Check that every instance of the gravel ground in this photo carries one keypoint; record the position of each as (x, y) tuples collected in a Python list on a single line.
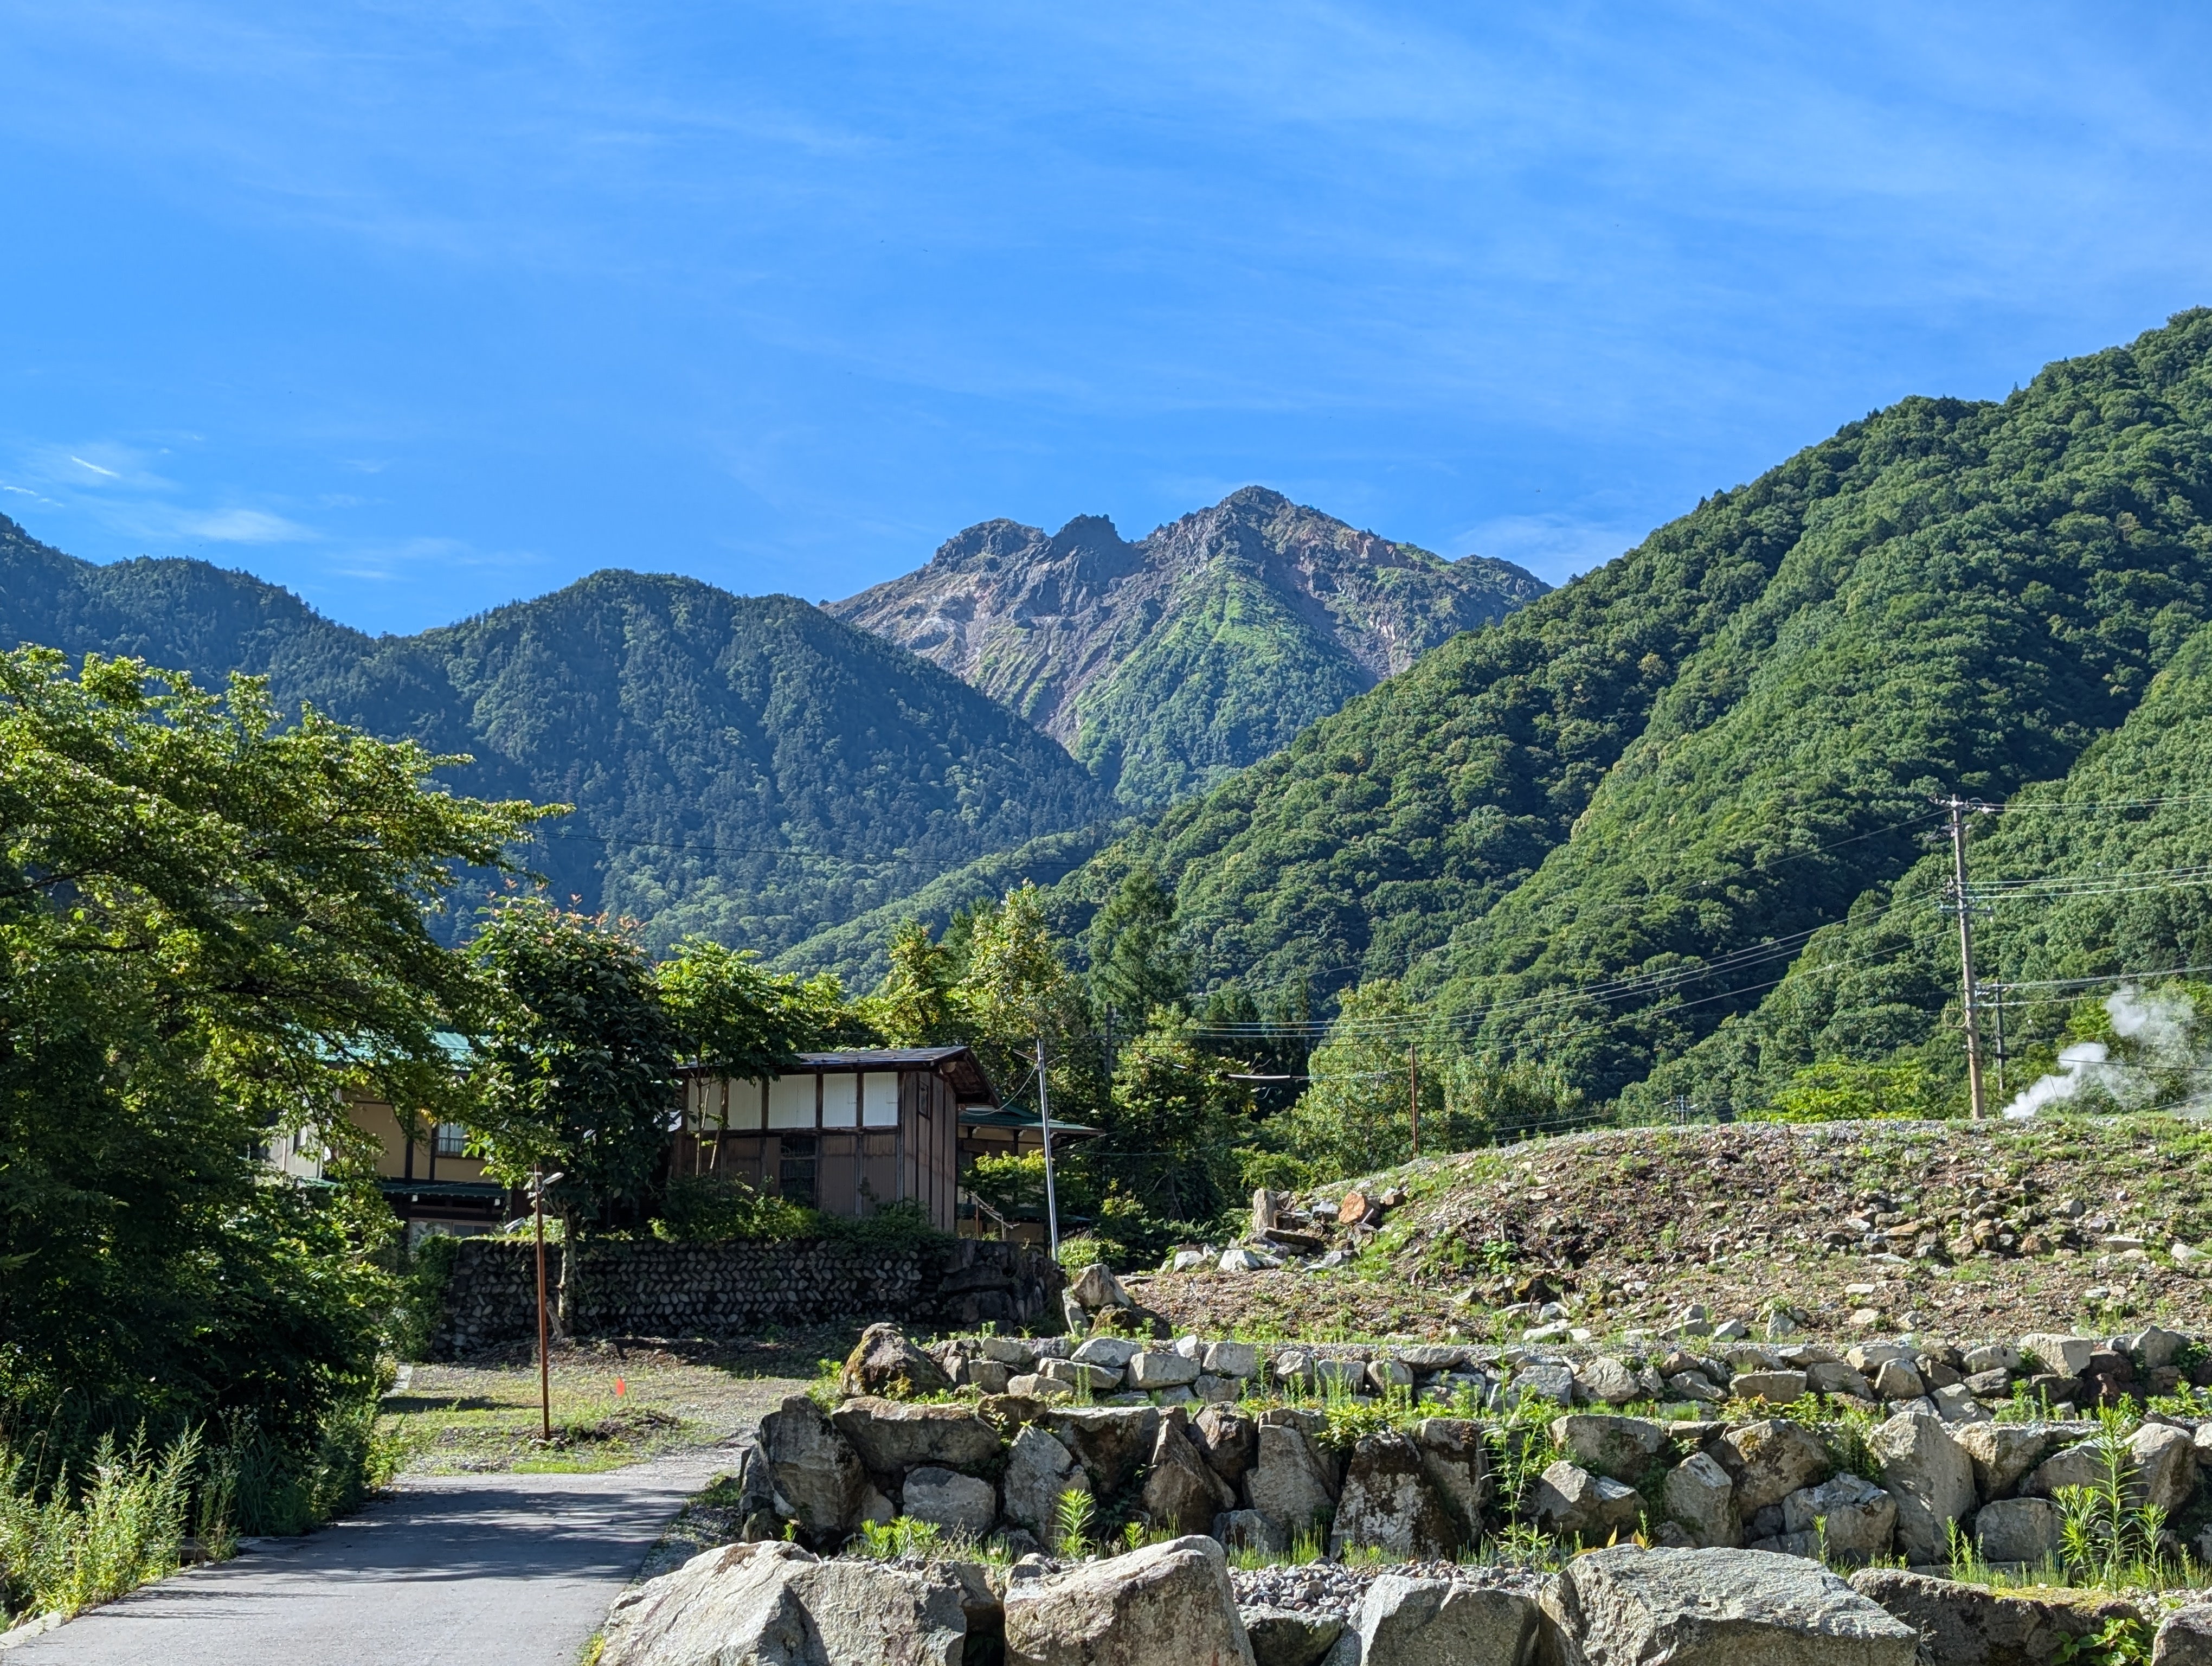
[(1333, 1588), (1632, 1225)]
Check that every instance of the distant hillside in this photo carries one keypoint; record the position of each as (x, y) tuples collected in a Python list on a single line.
[(745, 767), (1167, 664), (1590, 834)]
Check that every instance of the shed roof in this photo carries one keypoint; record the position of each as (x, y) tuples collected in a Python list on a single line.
[(959, 1066)]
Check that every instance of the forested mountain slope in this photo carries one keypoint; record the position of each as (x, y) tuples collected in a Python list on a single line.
[(1168, 663), (746, 766), (1728, 735)]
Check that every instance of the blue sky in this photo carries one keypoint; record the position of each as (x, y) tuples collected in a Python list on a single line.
[(420, 308)]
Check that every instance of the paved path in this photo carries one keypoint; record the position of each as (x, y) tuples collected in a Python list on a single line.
[(455, 1571)]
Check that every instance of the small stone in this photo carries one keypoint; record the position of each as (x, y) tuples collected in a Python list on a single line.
[(1244, 1259), (1547, 1379), (2068, 1356), (1700, 1497), (1385, 1375), (1896, 1380), (1114, 1353), (1849, 1517), (1574, 1503), (1239, 1360), (1150, 1370), (957, 1503)]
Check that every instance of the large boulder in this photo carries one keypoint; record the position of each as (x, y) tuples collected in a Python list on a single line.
[(2004, 1452), (1111, 1442), (1290, 1636), (2165, 1460), (1227, 1439), (1435, 1622), (1457, 1461), (1167, 1603), (1850, 1518), (891, 1437), (1576, 1504), (1629, 1606), (816, 1476), (1387, 1502), (1096, 1287), (1624, 1448), (1039, 1469), (1181, 1493), (2018, 1530), (1974, 1626), (1930, 1477), (775, 1604), (959, 1504), (2185, 1637), (884, 1362), (1290, 1482), (1769, 1460), (1701, 1500)]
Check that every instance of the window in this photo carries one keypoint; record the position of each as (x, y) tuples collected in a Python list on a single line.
[(452, 1139), (795, 1174)]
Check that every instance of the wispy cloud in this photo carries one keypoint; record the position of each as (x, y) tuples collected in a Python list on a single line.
[(94, 467), (246, 526)]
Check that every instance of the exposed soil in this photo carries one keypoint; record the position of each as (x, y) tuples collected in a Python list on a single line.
[(1951, 1228)]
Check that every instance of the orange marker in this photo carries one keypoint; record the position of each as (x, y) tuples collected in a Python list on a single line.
[(618, 1385)]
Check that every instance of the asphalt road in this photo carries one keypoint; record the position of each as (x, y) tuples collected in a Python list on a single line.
[(470, 1570)]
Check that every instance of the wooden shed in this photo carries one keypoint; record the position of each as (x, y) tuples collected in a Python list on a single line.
[(843, 1133)]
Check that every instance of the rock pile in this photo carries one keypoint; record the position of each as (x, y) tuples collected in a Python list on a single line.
[(1176, 1603), (1189, 1439)]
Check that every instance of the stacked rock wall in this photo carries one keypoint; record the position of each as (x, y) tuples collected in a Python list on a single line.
[(734, 1289)]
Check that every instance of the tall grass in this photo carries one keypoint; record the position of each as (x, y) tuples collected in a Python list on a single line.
[(75, 1537), (76, 1547)]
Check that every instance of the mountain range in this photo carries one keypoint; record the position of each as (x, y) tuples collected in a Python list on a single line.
[(749, 767), (1167, 665), (1597, 835)]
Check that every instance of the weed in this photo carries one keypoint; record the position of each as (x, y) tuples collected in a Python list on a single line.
[(1073, 1514)]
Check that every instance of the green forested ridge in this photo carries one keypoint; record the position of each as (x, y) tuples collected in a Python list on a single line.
[(744, 767), (1725, 735), (1166, 664)]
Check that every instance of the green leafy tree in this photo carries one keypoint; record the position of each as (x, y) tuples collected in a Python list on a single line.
[(577, 1059), (213, 923), (913, 1006), (1173, 1124), (729, 1013)]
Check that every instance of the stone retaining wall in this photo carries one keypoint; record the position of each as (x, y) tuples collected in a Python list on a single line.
[(733, 1289)]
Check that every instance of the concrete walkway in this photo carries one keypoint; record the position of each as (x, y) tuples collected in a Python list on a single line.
[(453, 1570)]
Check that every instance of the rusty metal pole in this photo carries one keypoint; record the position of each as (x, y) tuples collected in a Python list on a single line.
[(1413, 1104), (544, 1365)]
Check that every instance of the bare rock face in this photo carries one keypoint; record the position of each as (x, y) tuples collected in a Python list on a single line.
[(1973, 1625), (1620, 1447), (1290, 1636), (1930, 1477), (1457, 1462), (1039, 1469), (1228, 1439), (1768, 1461), (882, 1362), (2017, 1530), (2004, 1452), (1701, 1499), (1168, 1602), (1289, 1482), (1109, 1441), (1850, 1518), (1571, 1501), (1388, 1503), (1432, 1622), (816, 1476), (775, 1604), (957, 1503), (2185, 1637), (1181, 1493), (1629, 1606), (891, 1436)]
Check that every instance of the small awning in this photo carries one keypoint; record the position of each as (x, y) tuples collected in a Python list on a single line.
[(1014, 1118)]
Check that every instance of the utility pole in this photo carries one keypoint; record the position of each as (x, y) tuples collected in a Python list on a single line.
[(1044, 1125), (1958, 807), (1413, 1104)]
